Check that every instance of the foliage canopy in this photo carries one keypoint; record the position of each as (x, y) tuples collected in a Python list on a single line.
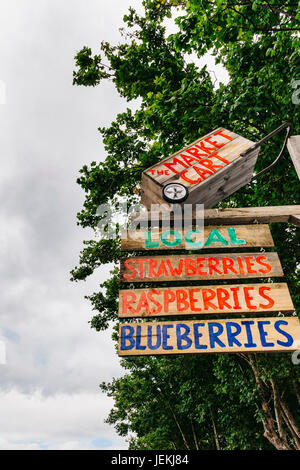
[(224, 402)]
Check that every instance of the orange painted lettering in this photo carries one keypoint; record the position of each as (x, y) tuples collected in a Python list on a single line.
[(264, 296)]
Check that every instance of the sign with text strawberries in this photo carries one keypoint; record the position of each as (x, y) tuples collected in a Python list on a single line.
[(200, 267)]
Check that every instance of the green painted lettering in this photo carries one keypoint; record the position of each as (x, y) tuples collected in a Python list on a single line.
[(233, 238)]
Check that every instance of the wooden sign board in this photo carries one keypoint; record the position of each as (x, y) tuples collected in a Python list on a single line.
[(242, 236), (203, 300), (200, 267), (211, 168), (210, 336)]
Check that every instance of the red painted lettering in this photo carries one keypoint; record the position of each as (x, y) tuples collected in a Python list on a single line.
[(228, 265), (201, 146), (208, 295), (162, 270), (143, 303), (169, 296), (240, 263), (152, 265), (142, 264), (212, 266), (264, 296), (181, 298), (218, 157), (189, 160), (175, 161), (223, 295), (249, 297), (214, 143), (235, 291), (190, 267), (250, 264), (175, 271), (155, 302), (209, 164), (221, 132), (201, 172), (260, 260), (186, 178), (133, 270), (200, 265), (193, 300), (128, 298)]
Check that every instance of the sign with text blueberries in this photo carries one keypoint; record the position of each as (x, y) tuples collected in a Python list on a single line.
[(198, 300), (239, 236), (200, 267), (210, 336)]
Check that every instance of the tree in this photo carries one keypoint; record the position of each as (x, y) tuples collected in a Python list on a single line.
[(201, 402)]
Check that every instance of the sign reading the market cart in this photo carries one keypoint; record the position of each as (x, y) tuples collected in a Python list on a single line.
[(210, 169), (210, 336), (242, 236)]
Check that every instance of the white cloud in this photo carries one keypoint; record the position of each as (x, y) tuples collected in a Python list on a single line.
[(57, 422), (49, 385)]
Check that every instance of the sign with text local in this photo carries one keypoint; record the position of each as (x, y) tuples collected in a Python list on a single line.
[(205, 172), (242, 236)]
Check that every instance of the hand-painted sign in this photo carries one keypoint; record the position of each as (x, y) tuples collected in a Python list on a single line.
[(210, 336), (200, 267), (211, 168), (198, 300), (242, 236)]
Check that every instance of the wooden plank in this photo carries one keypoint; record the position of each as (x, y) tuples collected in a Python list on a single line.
[(293, 145), (241, 236), (236, 216), (295, 219), (224, 183), (203, 300), (200, 267), (276, 334)]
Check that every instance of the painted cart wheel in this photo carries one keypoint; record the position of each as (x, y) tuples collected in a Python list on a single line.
[(175, 192)]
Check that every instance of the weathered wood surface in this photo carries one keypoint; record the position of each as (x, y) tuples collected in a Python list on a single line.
[(211, 168), (244, 215), (203, 300), (200, 267), (210, 336), (295, 219), (241, 236), (293, 145)]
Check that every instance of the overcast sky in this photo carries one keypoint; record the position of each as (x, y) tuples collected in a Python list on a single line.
[(49, 395)]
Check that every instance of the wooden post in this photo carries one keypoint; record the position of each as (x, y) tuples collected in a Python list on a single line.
[(293, 146), (240, 215)]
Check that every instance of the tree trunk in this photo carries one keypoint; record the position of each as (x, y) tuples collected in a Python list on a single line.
[(268, 421), (218, 447)]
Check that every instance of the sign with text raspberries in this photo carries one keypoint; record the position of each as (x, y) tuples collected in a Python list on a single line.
[(196, 300)]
